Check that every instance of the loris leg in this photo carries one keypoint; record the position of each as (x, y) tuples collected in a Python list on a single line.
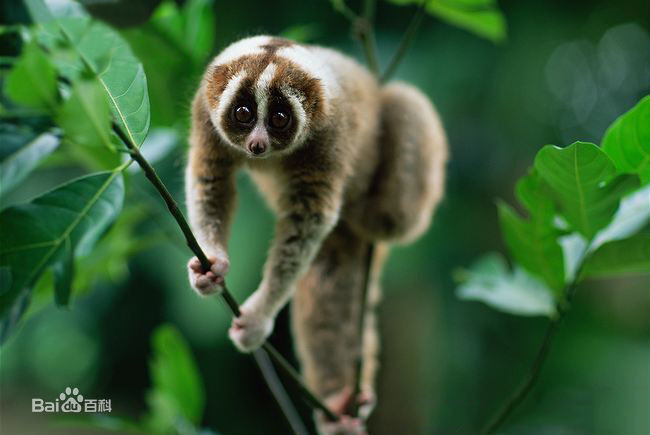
[(308, 210), (211, 197), (325, 316)]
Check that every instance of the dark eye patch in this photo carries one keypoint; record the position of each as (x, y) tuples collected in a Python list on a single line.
[(235, 122), (280, 119)]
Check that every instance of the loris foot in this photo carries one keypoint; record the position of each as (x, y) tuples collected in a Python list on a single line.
[(252, 327), (210, 282), (340, 403)]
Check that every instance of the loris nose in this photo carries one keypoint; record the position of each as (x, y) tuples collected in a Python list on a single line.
[(257, 147)]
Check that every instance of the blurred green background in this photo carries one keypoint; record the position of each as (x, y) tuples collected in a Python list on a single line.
[(565, 72)]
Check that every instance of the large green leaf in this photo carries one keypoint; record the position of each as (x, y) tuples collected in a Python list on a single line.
[(533, 242), (627, 141), (48, 232), (85, 116), (621, 257), (17, 165), (490, 281), (177, 391), (584, 183), (481, 17), (32, 80), (105, 55)]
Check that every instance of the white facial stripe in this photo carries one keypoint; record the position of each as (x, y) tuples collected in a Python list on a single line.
[(312, 65), (225, 101), (262, 91), (248, 46), (295, 100)]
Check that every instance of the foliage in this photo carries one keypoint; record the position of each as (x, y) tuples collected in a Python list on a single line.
[(481, 17), (572, 197), (176, 397), (580, 212), (51, 231)]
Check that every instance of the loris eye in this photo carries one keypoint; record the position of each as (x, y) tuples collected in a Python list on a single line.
[(243, 114), (280, 119)]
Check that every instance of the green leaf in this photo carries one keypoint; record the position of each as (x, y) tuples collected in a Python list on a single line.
[(32, 80), (632, 215), (533, 242), (490, 282), (190, 28), (481, 17), (628, 256), (86, 116), (107, 57), (17, 165), (63, 272), (534, 246), (177, 387), (584, 184), (627, 141), (108, 261), (33, 236)]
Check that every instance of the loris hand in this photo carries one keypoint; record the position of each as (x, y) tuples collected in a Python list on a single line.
[(250, 329), (210, 282)]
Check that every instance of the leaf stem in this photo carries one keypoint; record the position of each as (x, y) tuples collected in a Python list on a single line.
[(405, 43), (192, 243), (531, 378)]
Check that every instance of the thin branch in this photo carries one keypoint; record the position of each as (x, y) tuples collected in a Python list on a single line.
[(366, 33), (366, 36), (405, 43), (533, 375), (358, 369), (281, 396), (192, 243), (362, 28)]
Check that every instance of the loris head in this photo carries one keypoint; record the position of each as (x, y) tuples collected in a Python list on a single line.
[(266, 95)]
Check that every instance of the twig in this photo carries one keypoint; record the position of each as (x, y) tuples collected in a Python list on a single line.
[(192, 243), (362, 28), (406, 41), (531, 378), (281, 396), (366, 34), (358, 369)]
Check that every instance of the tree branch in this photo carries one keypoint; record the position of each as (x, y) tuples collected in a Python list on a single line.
[(405, 43), (192, 243), (533, 374), (358, 369)]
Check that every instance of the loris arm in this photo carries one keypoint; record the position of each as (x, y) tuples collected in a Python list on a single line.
[(211, 198), (309, 209)]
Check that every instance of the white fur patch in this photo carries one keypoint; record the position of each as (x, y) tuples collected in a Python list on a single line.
[(247, 46), (225, 100), (312, 65), (262, 91), (296, 100)]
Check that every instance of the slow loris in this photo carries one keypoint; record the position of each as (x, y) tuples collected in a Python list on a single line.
[(343, 162)]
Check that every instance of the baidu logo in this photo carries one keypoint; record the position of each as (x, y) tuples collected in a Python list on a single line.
[(72, 401)]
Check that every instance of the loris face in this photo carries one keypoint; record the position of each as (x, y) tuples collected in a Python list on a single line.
[(265, 95)]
